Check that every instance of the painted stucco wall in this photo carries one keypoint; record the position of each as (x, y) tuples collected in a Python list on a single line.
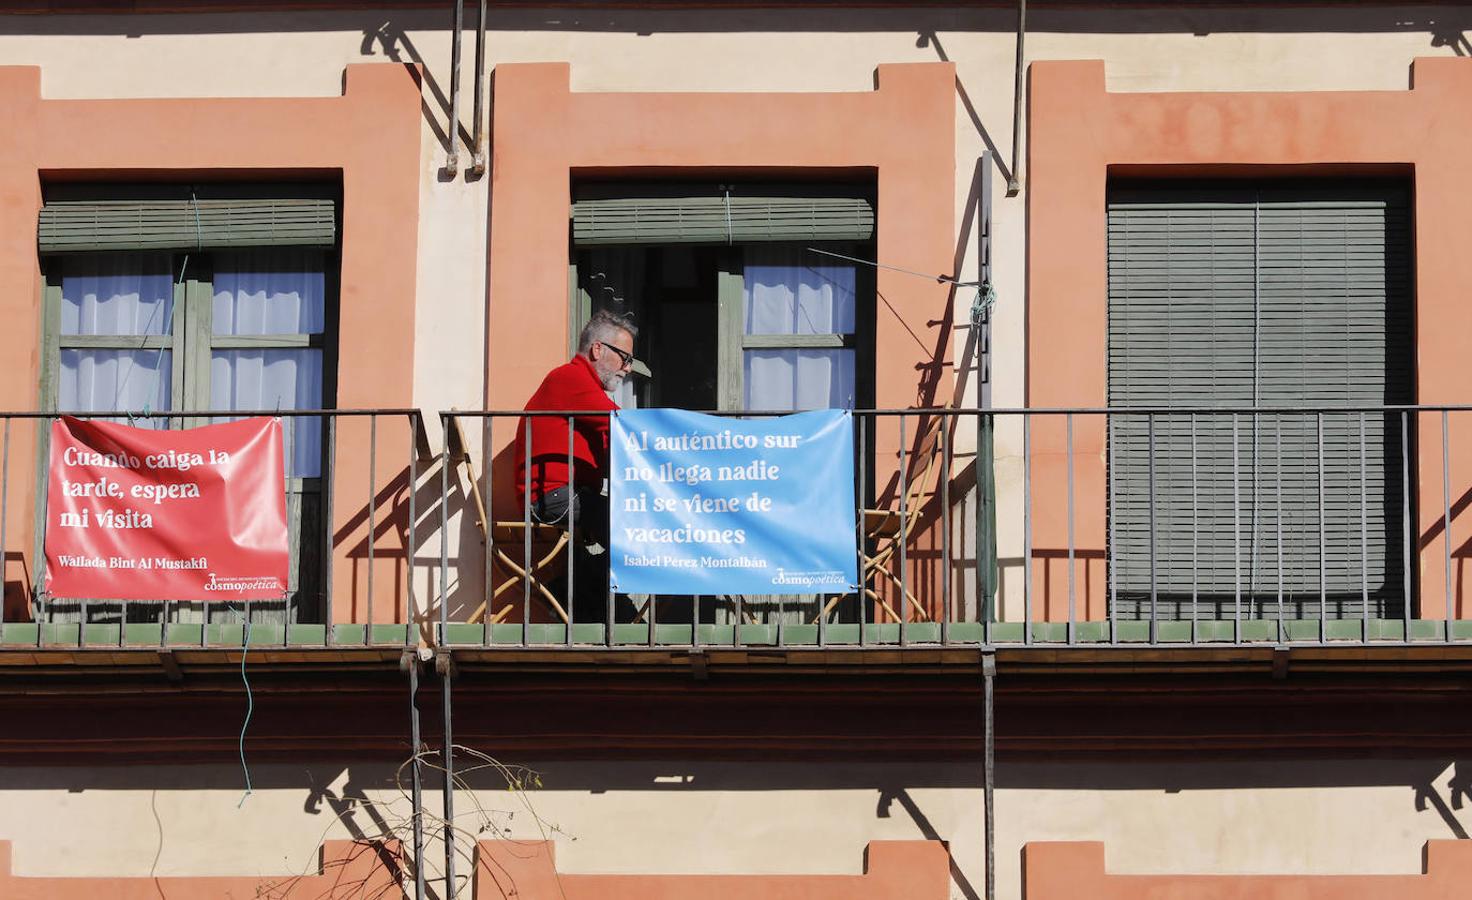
[(304, 54), (1363, 817)]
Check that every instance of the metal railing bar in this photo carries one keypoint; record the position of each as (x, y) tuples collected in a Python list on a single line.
[(490, 521), (1195, 537), (904, 488), (1236, 533), (329, 481), (1112, 475), (1446, 508), (409, 543), (1324, 536), (1364, 539), (571, 541), (1150, 495), (1072, 612), (1278, 483), (372, 508), (5, 518), (1406, 523), (526, 536), (1026, 530), (985, 607), (861, 596), (445, 548), (948, 615)]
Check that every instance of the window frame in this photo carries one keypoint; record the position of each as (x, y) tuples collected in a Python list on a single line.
[(191, 340)]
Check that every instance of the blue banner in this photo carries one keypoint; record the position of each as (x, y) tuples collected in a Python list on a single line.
[(702, 504)]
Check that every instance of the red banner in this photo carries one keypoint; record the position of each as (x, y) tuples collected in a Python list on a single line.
[(134, 514)]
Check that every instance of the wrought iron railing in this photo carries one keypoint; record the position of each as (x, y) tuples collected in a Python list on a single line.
[(1131, 527)]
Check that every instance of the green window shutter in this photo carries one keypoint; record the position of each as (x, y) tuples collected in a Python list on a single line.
[(170, 218), (1266, 295), (705, 215)]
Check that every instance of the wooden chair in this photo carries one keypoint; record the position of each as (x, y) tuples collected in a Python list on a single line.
[(548, 542), (886, 530)]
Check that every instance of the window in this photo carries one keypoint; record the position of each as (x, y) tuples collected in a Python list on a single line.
[(184, 298), (1259, 294), (735, 309)]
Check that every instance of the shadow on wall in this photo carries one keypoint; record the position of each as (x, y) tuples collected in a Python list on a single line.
[(368, 802), (1441, 22)]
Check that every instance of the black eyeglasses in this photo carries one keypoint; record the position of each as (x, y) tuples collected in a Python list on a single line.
[(626, 358)]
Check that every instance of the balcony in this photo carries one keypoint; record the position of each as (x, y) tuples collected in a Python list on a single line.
[(1092, 536)]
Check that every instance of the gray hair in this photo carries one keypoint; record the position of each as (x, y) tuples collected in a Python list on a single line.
[(602, 328)]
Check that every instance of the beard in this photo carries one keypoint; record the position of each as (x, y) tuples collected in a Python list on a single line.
[(610, 380)]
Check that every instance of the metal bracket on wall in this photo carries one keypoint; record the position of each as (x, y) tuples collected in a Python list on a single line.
[(1280, 663)]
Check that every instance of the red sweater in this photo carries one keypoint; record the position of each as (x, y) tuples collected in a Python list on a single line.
[(573, 387)]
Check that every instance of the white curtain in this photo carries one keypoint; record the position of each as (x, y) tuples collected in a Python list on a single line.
[(117, 294), (788, 291), (272, 292)]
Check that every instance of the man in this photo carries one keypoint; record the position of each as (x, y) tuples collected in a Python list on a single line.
[(604, 358)]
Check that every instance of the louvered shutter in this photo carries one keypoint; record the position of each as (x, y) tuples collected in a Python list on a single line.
[(1266, 295), (170, 218), (705, 215)]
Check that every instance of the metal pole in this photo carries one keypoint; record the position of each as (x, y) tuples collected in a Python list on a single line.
[(417, 795), (988, 677), (452, 132), (1014, 183), (446, 667), (445, 531), (478, 152)]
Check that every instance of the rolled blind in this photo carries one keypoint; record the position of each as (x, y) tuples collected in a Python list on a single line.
[(708, 216), (1266, 295), (181, 222)]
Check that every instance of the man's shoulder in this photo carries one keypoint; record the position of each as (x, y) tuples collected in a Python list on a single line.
[(557, 383)]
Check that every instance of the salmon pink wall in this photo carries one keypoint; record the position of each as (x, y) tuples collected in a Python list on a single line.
[(1068, 871), (902, 135), (893, 870), (368, 137), (1079, 132)]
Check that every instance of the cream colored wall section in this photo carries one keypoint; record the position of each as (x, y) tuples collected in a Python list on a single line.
[(1361, 817)]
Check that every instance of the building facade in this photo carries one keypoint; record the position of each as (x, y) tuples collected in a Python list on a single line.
[(1150, 315)]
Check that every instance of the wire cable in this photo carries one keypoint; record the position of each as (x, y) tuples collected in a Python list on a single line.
[(250, 707)]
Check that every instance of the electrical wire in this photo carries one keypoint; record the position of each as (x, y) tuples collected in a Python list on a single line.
[(250, 707)]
